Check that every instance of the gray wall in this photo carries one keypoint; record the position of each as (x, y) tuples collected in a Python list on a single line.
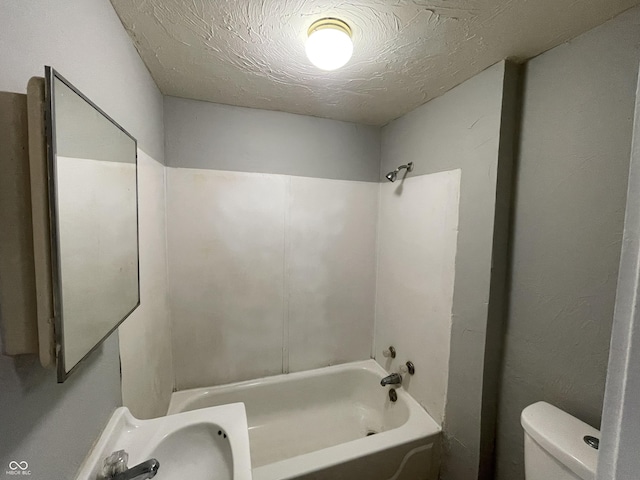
[(620, 419), (87, 44), (222, 137), (469, 127), (52, 426), (570, 191)]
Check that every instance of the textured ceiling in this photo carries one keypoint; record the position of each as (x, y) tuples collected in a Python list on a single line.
[(251, 52)]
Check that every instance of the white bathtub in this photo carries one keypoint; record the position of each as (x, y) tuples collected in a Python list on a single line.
[(315, 425)]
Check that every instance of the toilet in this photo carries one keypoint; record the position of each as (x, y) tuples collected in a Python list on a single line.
[(555, 446)]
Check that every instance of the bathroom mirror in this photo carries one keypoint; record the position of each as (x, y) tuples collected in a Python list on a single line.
[(92, 168)]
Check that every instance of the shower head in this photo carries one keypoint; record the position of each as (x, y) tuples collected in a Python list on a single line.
[(392, 176)]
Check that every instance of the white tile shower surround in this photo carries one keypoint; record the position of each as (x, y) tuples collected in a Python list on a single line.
[(261, 263), (273, 273), (417, 235)]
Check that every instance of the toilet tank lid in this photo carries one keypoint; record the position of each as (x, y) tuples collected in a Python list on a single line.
[(562, 436)]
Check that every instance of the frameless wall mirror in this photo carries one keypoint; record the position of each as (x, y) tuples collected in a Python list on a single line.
[(92, 167)]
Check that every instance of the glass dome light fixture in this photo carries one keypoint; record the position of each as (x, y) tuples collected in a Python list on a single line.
[(329, 44)]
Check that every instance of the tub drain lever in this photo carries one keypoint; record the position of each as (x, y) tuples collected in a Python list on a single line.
[(393, 395)]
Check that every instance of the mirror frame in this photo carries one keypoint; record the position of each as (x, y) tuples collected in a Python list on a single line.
[(51, 75)]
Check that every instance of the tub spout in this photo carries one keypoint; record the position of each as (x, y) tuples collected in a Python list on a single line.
[(393, 379)]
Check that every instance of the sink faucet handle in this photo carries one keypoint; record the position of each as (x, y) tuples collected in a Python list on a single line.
[(142, 471), (115, 463)]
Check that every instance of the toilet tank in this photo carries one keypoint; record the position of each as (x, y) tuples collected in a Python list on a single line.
[(554, 446)]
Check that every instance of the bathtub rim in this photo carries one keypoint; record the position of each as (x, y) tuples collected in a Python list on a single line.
[(418, 426)]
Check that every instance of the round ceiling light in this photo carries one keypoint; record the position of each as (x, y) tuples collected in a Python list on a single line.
[(329, 45)]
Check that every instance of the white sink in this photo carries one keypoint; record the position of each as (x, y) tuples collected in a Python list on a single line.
[(206, 444)]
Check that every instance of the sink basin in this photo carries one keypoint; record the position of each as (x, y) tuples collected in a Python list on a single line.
[(196, 451), (205, 444)]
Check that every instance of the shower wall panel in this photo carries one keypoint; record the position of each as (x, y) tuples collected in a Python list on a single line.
[(331, 272), (416, 267)]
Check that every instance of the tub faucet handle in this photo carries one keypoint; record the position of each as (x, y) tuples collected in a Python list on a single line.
[(408, 368), (389, 352)]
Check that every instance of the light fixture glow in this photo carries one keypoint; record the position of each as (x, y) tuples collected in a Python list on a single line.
[(329, 45)]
